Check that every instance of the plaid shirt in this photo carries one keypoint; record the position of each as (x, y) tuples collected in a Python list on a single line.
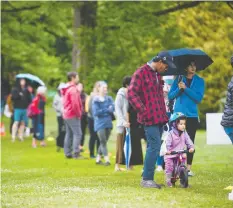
[(145, 94)]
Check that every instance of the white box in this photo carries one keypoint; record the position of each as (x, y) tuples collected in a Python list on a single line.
[(214, 130)]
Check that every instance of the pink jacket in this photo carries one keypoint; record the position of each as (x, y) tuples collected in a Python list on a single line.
[(174, 142), (72, 104)]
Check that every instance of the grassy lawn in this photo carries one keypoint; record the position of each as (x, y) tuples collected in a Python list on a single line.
[(42, 177)]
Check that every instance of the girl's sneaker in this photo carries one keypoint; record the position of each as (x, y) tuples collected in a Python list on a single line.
[(169, 184)]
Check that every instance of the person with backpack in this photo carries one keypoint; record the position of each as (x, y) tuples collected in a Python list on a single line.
[(36, 111), (103, 108)]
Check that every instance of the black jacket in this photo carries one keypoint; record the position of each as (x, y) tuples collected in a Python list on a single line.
[(227, 119), (21, 98)]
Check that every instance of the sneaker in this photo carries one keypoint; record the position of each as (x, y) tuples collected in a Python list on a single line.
[(107, 164), (78, 157), (99, 163), (68, 156), (150, 184), (159, 169), (190, 173), (169, 184)]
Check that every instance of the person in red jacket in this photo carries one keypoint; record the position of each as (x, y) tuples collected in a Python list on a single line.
[(145, 94), (72, 113)]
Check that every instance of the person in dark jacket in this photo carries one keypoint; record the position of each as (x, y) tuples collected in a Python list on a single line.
[(227, 119), (83, 96), (21, 98), (145, 94)]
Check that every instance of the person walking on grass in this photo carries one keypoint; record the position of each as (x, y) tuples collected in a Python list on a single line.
[(72, 113), (103, 108), (94, 140), (227, 119), (146, 96), (188, 93), (21, 99), (84, 115), (38, 121)]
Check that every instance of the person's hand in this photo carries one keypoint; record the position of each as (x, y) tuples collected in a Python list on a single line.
[(191, 150), (110, 108), (168, 152), (127, 125), (182, 85)]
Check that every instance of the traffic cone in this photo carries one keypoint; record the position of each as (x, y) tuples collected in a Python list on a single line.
[(2, 129)]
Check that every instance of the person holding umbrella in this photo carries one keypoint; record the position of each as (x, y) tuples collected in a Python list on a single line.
[(227, 119), (188, 92), (21, 99), (146, 96)]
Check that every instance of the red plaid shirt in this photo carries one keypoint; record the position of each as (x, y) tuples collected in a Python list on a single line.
[(146, 96)]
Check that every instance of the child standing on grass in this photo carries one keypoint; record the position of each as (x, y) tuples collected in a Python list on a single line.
[(38, 108), (178, 139)]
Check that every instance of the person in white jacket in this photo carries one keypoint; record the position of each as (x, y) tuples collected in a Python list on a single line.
[(121, 108), (57, 105)]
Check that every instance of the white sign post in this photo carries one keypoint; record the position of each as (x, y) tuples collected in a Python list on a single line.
[(214, 130)]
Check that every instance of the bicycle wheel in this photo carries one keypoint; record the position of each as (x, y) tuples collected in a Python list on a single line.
[(183, 177)]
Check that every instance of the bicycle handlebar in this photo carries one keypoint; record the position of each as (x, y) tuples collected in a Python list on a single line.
[(179, 152)]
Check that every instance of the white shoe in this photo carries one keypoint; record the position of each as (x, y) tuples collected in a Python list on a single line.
[(159, 169), (190, 173)]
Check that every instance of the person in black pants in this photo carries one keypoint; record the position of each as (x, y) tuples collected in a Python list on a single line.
[(84, 114), (93, 135), (188, 92)]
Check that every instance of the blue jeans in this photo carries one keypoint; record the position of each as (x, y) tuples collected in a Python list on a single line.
[(229, 132), (153, 135)]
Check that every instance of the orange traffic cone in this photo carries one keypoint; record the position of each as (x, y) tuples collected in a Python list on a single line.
[(2, 129)]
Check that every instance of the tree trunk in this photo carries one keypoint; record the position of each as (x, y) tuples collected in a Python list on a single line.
[(76, 51)]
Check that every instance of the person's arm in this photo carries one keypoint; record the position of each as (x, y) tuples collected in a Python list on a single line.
[(133, 92), (87, 104), (197, 93), (76, 102), (174, 91), (97, 111), (188, 141), (169, 142), (111, 107), (119, 109), (15, 94)]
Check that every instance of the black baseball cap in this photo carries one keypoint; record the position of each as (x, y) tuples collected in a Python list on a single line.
[(165, 57)]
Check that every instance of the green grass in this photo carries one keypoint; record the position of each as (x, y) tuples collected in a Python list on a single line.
[(42, 177)]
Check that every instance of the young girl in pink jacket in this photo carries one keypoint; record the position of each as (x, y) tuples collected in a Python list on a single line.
[(178, 139)]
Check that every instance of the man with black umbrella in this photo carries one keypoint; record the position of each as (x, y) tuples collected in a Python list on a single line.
[(146, 96)]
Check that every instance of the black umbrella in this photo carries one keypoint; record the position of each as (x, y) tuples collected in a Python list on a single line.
[(183, 57)]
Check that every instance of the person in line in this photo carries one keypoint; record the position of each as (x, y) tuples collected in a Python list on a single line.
[(146, 96), (227, 119), (21, 99), (94, 140), (84, 115), (38, 121), (57, 105), (188, 93), (103, 108), (177, 139), (72, 113), (121, 107), (168, 80)]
